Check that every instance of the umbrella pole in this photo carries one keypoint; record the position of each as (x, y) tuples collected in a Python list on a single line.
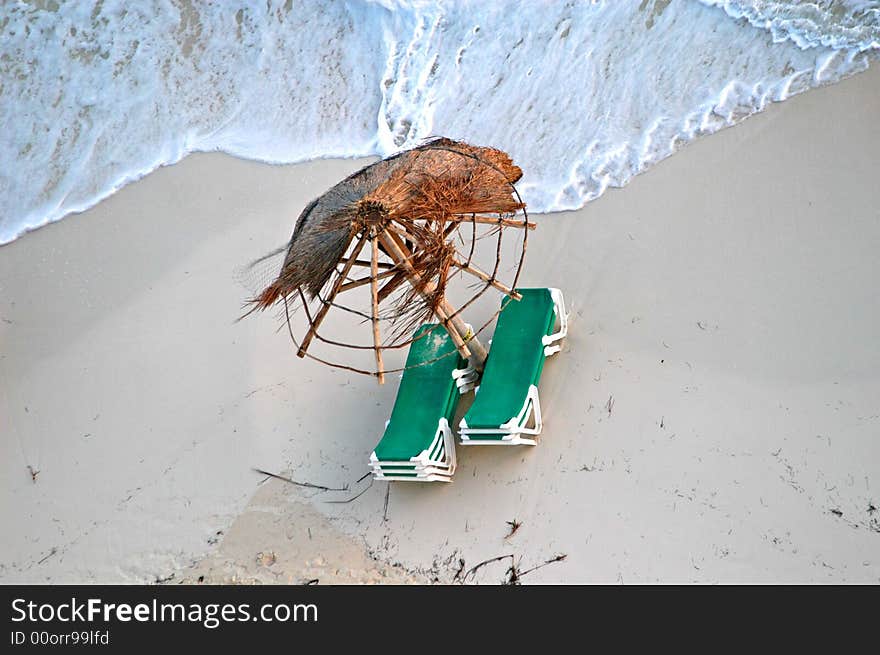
[(485, 277), (374, 292), (477, 355), (466, 343)]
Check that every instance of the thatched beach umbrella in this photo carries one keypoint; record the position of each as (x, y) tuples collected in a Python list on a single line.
[(401, 219)]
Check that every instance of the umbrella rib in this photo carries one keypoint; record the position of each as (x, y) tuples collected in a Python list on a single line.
[(503, 222), (485, 277), (392, 284), (354, 284), (319, 317), (374, 292), (342, 343), (473, 237), (366, 264)]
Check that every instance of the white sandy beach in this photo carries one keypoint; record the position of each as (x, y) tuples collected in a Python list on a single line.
[(713, 417)]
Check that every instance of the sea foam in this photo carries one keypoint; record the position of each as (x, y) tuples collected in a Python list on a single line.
[(584, 95)]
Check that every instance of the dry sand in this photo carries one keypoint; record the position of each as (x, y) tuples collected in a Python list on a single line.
[(714, 415)]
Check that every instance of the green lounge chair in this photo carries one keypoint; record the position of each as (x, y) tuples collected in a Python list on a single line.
[(507, 398), (418, 444)]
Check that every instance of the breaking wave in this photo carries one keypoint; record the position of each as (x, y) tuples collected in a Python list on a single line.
[(584, 95)]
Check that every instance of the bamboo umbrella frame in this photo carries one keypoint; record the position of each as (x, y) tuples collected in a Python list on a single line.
[(413, 255)]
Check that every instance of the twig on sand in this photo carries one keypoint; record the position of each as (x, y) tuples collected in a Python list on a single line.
[(51, 552), (353, 498), (458, 573), (476, 568), (300, 484), (387, 497), (557, 558), (514, 574), (514, 526)]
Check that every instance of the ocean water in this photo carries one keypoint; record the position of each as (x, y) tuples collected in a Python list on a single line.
[(583, 94)]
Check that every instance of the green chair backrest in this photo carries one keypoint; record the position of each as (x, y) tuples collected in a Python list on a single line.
[(516, 358), (426, 394)]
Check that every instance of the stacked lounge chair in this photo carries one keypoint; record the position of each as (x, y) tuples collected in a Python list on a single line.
[(507, 409), (418, 444)]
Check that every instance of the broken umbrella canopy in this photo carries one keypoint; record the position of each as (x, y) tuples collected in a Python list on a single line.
[(411, 221)]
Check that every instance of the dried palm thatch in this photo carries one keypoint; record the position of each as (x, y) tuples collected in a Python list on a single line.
[(409, 208)]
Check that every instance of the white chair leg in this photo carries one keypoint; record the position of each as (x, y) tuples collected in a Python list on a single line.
[(539, 419), (516, 427), (465, 379), (562, 317), (449, 444)]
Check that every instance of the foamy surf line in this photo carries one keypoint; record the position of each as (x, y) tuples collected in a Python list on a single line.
[(583, 95)]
